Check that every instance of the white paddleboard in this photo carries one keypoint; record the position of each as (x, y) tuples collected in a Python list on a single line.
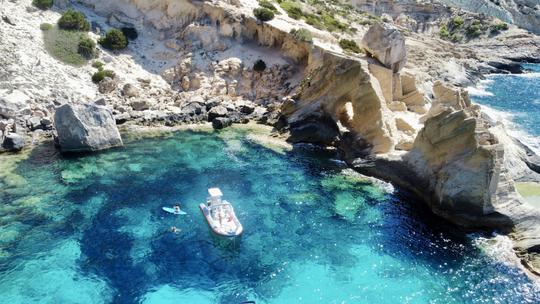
[(171, 210)]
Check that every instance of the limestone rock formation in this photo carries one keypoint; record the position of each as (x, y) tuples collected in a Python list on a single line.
[(344, 89), (386, 43), (460, 159), (87, 127)]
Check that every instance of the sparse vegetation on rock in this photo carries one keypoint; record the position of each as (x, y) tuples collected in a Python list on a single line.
[(98, 65), (474, 29), (259, 66), (45, 26), (302, 35), (350, 45), (101, 74), (263, 14), (64, 45), (323, 19), (114, 40), (43, 4), (498, 27), (443, 32), (293, 9), (73, 20)]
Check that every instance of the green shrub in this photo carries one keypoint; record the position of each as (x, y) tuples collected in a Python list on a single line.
[(443, 32), (100, 75), (267, 4), (73, 20), (43, 4), (474, 30), (302, 35), (45, 26), (87, 48), (263, 14), (349, 45), (98, 65), (292, 8), (314, 21), (259, 66), (501, 26), (455, 37), (331, 23), (114, 40), (457, 21)]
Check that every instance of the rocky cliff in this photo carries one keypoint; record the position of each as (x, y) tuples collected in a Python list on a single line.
[(523, 13)]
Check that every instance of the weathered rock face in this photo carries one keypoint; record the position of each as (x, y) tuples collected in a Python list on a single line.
[(344, 89), (461, 160), (386, 43), (83, 128)]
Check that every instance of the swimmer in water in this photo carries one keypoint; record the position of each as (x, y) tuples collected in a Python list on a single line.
[(175, 230)]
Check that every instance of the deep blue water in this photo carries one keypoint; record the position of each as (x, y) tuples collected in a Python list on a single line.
[(90, 229), (518, 95)]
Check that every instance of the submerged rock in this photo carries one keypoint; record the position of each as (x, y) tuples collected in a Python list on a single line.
[(85, 128)]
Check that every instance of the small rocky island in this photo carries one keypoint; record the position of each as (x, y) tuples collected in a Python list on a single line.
[(381, 82)]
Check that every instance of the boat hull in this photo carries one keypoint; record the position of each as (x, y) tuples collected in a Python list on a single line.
[(216, 228)]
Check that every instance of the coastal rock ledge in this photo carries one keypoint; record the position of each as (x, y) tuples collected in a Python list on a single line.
[(84, 128)]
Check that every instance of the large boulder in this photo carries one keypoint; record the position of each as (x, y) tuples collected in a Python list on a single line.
[(87, 127), (386, 43), (217, 111), (13, 142), (12, 103), (221, 122)]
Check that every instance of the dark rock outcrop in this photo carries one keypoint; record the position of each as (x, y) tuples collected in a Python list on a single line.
[(13, 142), (317, 128), (221, 122)]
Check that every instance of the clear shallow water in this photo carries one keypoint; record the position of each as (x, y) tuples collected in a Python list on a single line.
[(90, 230), (518, 95)]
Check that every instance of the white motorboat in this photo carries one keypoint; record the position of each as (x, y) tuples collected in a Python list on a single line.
[(220, 214)]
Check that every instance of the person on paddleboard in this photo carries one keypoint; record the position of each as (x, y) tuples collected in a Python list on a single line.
[(177, 209)]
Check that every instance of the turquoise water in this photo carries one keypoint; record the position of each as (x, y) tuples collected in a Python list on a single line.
[(90, 229), (518, 95)]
